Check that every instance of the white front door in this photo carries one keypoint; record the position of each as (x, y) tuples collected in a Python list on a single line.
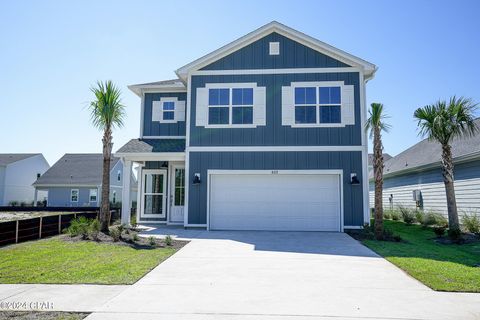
[(177, 193), (153, 194)]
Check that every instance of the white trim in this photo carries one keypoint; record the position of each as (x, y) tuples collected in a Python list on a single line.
[(78, 195), (65, 185), (283, 30), (142, 115), (230, 85), (196, 225), (363, 112), (164, 193), (162, 137), (152, 156), (275, 71), (274, 48), (338, 172), (140, 89), (352, 227), (275, 148), (90, 195), (172, 166), (187, 144)]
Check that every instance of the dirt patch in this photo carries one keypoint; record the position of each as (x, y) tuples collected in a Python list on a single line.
[(34, 315), (465, 238), (130, 238)]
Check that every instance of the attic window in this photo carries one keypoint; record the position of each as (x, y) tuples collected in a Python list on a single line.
[(274, 48)]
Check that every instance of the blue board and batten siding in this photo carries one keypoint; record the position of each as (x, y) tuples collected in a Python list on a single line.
[(200, 162), (274, 133), (292, 55), (155, 128)]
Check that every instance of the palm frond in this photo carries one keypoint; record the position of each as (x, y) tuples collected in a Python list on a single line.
[(107, 110), (376, 119)]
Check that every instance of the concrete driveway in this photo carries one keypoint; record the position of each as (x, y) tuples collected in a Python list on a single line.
[(281, 275)]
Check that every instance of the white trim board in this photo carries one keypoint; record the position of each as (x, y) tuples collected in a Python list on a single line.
[(276, 71), (162, 137), (275, 148)]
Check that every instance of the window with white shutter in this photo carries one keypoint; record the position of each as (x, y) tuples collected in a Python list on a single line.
[(168, 110), (318, 104), (231, 105)]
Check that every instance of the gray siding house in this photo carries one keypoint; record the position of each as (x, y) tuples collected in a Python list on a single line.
[(76, 181), (17, 173), (264, 133), (413, 178)]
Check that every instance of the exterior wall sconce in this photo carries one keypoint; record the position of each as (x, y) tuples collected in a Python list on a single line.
[(196, 178), (354, 179)]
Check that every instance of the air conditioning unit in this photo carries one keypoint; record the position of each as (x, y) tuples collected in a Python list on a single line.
[(417, 195)]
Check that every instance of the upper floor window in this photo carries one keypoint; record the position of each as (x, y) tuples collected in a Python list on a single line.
[(223, 105), (168, 110), (119, 175), (318, 104)]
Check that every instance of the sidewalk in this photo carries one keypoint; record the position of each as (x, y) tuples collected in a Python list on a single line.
[(56, 297)]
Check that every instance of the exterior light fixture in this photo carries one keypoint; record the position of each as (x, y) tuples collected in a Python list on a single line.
[(354, 178), (196, 178)]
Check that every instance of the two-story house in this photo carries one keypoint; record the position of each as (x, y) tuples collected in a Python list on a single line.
[(265, 133)]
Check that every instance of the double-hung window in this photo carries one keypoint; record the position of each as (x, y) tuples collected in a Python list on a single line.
[(168, 108), (93, 195), (317, 105), (74, 195), (230, 106)]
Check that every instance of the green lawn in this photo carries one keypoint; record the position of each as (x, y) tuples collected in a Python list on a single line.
[(441, 267), (56, 261)]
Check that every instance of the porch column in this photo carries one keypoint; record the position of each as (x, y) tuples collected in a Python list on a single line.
[(35, 197), (126, 200)]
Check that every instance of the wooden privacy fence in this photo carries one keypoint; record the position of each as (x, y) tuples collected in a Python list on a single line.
[(40, 227)]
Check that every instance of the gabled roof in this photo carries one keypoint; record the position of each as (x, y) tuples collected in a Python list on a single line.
[(153, 146), (8, 158), (277, 27), (427, 154), (76, 169), (386, 157)]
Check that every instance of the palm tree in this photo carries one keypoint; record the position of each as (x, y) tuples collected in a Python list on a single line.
[(376, 124), (107, 112), (442, 122)]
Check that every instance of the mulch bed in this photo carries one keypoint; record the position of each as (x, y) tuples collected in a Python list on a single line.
[(466, 238), (127, 239)]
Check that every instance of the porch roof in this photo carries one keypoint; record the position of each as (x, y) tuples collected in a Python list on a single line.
[(152, 146)]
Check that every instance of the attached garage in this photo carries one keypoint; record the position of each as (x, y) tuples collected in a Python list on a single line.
[(275, 200)]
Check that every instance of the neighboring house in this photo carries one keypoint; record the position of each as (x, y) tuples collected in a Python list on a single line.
[(414, 177), (386, 157), (17, 173), (76, 181), (265, 133)]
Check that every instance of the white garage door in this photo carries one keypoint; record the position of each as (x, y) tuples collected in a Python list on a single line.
[(286, 202)]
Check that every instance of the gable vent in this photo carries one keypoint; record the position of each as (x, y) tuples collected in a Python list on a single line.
[(274, 48)]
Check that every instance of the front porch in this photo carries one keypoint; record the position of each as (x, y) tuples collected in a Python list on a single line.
[(161, 180)]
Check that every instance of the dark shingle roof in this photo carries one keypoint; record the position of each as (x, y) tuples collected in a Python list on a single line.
[(386, 157), (429, 152), (8, 158), (153, 145), (160, 83), (76, 169)]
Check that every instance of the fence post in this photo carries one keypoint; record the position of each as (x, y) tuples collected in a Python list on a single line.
[(16, 233), (59, 223), (40, 228)]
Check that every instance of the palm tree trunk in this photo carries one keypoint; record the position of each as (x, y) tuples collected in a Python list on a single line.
[(447, 171), (378, 175), (107, 154)]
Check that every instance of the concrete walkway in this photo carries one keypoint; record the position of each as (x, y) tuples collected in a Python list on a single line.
[(263, 275)]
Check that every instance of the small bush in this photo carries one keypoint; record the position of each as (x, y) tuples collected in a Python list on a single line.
[(152, 241), (133, 221), (396, 216), (434, 219), (439, 230), (419, 216), (79, 226), (13, 203), (94, 229), (115, 234), (471, 222), (121, 227), (168, 240), (408, 215), (387, 214), (135, 236)]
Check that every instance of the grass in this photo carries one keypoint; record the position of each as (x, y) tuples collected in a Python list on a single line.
[(56, 261), (439, 266)]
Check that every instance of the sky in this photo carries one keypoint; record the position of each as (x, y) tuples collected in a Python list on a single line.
[(52, 52)]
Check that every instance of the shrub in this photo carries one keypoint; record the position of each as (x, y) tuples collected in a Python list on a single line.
[(152, 241), (121, 227), (434, 219), (396, 216), (135, 236), (133, 221), (408, 215), (387, 214), (79, 226), (168, 240), (94, 229), (13, 203), (419, 216), (115, 233), (471, 222), (439, 230)]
